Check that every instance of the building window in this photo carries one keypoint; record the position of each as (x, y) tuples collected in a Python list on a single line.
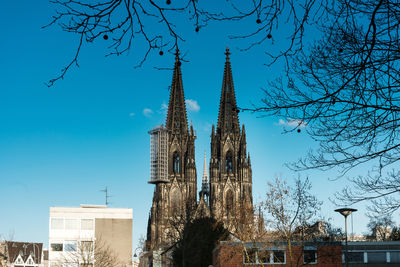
[(228, 162), (86, 246), (250, 255), (70, 246), (356, 257), (395, 256), (175, 202), (87, 224), (57, 223), (279, 256), (56, 247), (310, 256), (176, 162), (376, 257), (228, 203), (255, 256), (71, 224), (264, 256), (19, 260)]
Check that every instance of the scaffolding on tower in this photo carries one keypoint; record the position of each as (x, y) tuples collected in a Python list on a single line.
[(158, 155)]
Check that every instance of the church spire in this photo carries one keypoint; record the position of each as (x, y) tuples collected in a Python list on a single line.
[(204, 184), (205, 174), (176, 118), (228, 120)]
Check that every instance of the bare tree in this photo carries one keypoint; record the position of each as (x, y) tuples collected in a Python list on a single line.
[(395, 234), (90, 253), (288, 220), (289, 209), (248, 228), (341, 79), (177, 221), (345, 87), (160, 26), (127, 23), (380, 227)]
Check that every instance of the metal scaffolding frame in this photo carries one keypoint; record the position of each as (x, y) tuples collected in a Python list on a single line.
[(158, 155)]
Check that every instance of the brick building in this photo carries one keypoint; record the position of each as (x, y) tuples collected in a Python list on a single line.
[(312, 254), (21, 254)]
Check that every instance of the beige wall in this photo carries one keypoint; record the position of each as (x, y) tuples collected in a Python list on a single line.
[(117, 233)]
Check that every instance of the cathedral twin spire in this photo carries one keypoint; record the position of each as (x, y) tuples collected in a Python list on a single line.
[(177, 118), (228, 120), (229, 180)]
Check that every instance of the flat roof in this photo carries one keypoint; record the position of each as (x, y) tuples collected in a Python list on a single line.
[(91, 211)]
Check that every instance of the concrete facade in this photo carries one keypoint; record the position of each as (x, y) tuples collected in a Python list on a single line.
[(77, 233)]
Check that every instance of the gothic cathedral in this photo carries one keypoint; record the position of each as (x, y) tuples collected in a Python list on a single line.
[(230, 185)]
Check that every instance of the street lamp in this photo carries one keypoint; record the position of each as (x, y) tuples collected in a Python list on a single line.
[(345, 212)]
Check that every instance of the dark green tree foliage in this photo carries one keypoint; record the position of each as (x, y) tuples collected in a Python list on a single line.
[(198, 241)]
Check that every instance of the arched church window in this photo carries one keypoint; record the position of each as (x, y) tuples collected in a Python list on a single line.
[(228, 202), (176, 163), (228, 162)]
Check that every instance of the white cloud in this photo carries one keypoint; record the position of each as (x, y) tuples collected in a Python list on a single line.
[(131, 114), (163, 109), (147, 112), (293, 123), (192, 105), (207, 127), (164, 106)]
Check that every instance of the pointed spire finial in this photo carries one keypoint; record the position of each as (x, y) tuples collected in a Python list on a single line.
[(227, 53)]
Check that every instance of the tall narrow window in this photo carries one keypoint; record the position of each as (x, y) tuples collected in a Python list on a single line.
[(228, 162), (229, 203), (176, 162), (175, 202)]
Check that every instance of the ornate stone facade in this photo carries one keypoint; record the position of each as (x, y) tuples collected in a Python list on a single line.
[(230, 185), (230, 167), (172, 199)]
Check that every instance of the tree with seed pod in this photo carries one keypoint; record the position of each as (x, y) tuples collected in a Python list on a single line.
[(341, 71)]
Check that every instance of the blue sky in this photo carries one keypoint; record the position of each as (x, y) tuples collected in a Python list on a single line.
[(60, 146)]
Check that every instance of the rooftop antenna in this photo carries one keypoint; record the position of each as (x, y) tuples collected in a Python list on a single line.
[(107, 195)]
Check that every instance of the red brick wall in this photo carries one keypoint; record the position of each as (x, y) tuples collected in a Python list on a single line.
[(232, 256)]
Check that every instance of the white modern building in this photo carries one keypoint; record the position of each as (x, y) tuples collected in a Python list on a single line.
[(80, 236)]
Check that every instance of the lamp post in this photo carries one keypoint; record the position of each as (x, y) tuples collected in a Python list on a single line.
[(346, 212)]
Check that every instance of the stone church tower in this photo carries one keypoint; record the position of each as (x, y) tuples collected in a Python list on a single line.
[(177, 194), (229, 189), (230, 167)]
